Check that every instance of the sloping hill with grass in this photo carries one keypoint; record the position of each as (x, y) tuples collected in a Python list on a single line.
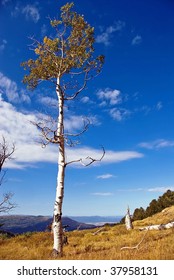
[(164, 217), (106, 244)]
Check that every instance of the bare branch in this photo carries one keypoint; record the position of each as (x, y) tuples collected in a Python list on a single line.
[(79, 90), (4, 152), (2, 177), (6, 205), (136, 246), (85, 128), (99, 230), (46, 132), (90, 159)]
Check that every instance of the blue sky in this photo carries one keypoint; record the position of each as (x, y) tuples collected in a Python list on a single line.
[(130, 105)]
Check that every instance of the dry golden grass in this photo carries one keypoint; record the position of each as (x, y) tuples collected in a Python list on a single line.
[(106, 245), (166, 216)]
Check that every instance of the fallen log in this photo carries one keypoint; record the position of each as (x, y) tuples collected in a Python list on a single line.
[(158, 227), (99, 230)]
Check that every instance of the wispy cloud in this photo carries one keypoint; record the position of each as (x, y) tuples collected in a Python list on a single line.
[(3, 45), (106, 35), (110, 156), (119, 114), (105, 176), (159, 106), (102, 193), (47, 101), (78, 122), (130, 190), (10, 89), (161, 189), (86, 99), (30, 12), (157, 144), (137, 40), (155, 189)]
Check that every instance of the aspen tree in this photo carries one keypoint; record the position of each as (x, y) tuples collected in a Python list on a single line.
[(128, 221), (63, 60)]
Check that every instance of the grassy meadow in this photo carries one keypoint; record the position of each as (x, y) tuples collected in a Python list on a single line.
[(107, 244)]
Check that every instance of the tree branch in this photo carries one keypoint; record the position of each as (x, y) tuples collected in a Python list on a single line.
[(78, 91), (91, 160), (6, 205), (136, 246), (45, 132), (4, 152), (86, 125)]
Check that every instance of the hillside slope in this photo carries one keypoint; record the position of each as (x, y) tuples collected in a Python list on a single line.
[(106, 244), (163, 217)]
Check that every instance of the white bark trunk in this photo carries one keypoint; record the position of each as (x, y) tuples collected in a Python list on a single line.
[(128, 221), (57, 218)]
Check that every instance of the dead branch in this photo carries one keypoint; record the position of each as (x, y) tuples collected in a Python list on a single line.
[(85, 128), (6, 205), (99, 230), (4, 152), (79, 226), (47, 133), (90, 159), (67, 136), (136, 246)]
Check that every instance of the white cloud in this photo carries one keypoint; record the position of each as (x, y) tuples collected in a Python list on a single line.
[(161, 189), (109, 95), (102, 193), (31, 13), (110, 156), (115, 157), (3, 45), (159, 106), (16, 127), (85, 99), (77, 122), (10, 89), (74, 123), (157, 144), (105, 36), (137, 40), (105, 176), (48, 101), (130, 190), (119, 114)]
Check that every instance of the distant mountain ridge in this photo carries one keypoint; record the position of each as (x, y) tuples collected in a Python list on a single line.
[(96, 220), (24, 223)]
